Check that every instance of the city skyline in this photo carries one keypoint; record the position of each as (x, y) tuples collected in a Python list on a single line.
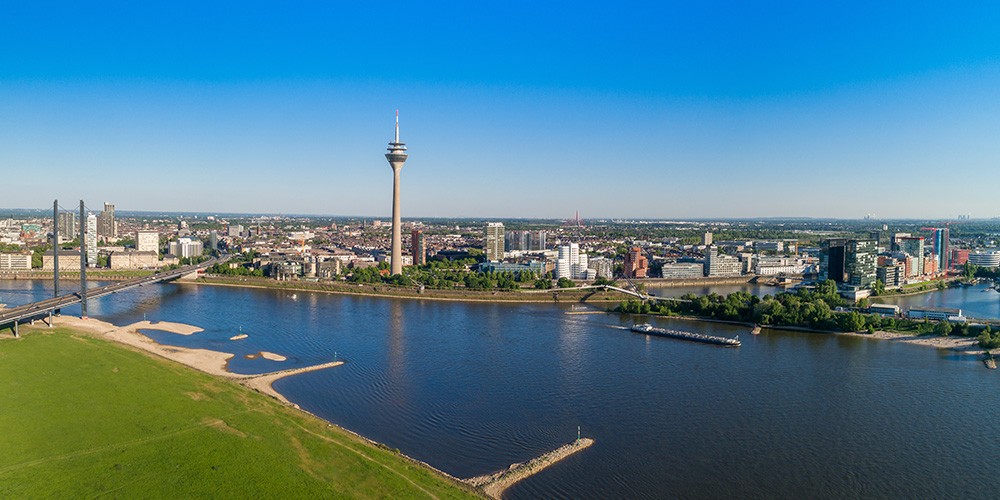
[(731, 112)]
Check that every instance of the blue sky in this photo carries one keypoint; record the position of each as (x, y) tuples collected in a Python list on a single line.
[(513, 109)]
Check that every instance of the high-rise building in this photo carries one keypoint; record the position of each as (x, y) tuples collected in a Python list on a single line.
[(397, 157), (832, 260), (860, 262), (706, 239), (914, 247), (418, 247), (107, 227), (573, 264), (213, 240), (939, 239), (711, 260), (67, 225), (494, 241), (91, 237), (235, 230), (147, 241), (636, 264)]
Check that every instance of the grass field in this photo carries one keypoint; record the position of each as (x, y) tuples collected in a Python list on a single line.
[(82, 417)]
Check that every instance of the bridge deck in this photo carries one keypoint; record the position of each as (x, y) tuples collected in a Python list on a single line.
[(43, 307)]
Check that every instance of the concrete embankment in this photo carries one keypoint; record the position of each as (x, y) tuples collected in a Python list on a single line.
[(493, 485)]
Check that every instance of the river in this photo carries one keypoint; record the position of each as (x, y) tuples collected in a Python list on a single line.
[(473, 387)]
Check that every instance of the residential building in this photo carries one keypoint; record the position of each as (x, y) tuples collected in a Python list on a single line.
[(914, 247), (91, 237), (67, 226), (892, 275), (418, 247), (636, 264), (186, 247), (494, 241), (706, 239), (107, 226)]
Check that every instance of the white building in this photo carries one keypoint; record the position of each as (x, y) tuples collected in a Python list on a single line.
[(91, 239), (572, 264), (494, 241), (147, 241), (15, 261), (985, 259), (186, 247)]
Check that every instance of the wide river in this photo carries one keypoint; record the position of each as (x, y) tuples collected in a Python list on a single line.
[(471, 388)]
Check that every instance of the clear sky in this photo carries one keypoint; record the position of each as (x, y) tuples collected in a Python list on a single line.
[(509, 109)]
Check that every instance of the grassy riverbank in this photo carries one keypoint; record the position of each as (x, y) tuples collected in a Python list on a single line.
[(85, 417)]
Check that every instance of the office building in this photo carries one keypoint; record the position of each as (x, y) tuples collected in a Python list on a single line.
[(603, 267), (683, 270), (959, 256), (706, 239), (17, 261), (418, 247), (571, 263), (68, 260), (860, 262), (235, 231), (133, 259), (985, 258), (914, 247), (636, 264), (833, 260), (213, 240), (147, 241), (494, 241), (939, 240)]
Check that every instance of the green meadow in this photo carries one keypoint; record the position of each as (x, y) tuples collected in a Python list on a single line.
[(83, 417)]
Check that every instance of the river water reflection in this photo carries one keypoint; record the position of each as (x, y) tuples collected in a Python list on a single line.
[(471, 388)]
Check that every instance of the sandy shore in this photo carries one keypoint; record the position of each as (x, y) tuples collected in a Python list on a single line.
[(213, 362), (967, 345), (262, 383), (496, 483)]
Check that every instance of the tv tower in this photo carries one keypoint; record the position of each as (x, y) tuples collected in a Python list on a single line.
[(397, 157)]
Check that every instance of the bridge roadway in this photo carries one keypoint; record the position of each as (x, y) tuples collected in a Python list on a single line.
[(41, 308)]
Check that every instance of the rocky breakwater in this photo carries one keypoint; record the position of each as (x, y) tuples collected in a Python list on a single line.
[(493, 485)]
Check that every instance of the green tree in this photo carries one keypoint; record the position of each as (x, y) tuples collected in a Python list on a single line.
[(878, 288)]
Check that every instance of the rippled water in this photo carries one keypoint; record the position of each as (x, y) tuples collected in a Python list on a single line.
[(471, 388)]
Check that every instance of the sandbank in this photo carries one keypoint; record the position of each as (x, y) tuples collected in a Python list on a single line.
[(262, 383)]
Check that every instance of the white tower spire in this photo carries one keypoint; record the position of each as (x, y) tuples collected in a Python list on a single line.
[(397, 126)]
